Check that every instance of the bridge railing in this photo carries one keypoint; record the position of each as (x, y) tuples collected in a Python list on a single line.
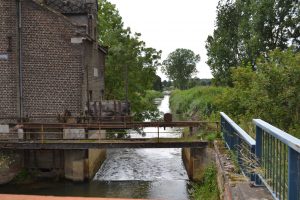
[(240, 143), (279, 156)]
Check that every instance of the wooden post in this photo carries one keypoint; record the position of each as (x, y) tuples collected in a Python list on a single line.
[(158, 133), (99, 132), (191, 130)]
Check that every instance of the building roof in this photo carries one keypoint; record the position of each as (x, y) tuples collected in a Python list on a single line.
[(73, 6)]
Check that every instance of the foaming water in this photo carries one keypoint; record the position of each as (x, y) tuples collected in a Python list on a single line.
[(161, 168), (145, 164)]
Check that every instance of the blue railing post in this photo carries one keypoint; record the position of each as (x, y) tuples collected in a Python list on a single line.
[(239, 142), (294, 175), (258, 151), (252, 175)]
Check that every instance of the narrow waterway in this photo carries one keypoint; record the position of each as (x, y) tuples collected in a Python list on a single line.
[(128, 173)]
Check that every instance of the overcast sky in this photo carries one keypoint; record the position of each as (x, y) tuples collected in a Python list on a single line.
[(170, 24)]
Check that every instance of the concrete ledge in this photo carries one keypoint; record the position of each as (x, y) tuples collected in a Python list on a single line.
[(240, 187)]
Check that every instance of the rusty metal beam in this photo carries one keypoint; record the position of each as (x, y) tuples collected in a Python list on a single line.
[(34, 145), (115, 125)]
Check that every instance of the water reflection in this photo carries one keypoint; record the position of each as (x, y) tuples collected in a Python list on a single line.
[(166, 190)]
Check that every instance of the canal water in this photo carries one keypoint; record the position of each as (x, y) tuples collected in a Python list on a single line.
[(128, 173)]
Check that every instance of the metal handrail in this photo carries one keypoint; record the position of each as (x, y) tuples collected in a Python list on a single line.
[(237, 140), (279, 155), (284, 137), (247, 138)]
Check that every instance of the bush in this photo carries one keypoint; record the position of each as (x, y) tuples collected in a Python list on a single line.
[(270, 93), (198, 101), (208, 188)]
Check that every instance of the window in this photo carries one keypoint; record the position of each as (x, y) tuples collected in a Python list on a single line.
[(90, 95)]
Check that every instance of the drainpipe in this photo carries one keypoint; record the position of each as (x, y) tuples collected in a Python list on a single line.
[(20, 61)]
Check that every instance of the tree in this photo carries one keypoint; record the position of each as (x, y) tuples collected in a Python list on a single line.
[(222, 45), (270, 93), (166, 84), (180, 66), (247, 29), (126, 50), (157, 85)]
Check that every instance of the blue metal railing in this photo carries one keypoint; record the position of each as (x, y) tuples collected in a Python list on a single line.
[(275, 152), (279, 156), (240, 143)]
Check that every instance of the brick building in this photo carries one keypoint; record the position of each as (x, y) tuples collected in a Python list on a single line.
[(50, 60)]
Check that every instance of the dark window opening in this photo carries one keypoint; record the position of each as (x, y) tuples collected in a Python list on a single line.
[(90, 95), (9, 48), (90, 25)]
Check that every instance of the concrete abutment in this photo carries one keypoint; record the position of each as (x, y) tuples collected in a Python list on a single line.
[(196, 160), (75, 165)]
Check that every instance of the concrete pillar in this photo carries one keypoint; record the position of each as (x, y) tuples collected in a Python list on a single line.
[(95, 159), (83, 164), (74, 164), (196, 160)]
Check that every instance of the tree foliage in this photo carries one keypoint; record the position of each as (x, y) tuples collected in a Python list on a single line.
[(246, 29), (126, 50), (157, 85), (180, 66), (270, 93)]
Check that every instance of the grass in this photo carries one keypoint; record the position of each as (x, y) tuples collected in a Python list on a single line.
[(208, 188), (198, 101)]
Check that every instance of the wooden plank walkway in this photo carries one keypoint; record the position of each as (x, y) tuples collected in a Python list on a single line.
[(100, 144)]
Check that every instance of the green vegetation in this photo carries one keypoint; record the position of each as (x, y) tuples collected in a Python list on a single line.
[(180, 66), (129, 57), (153, 94), (270, 93), (148, 99), (23, 177), (198, 102), (6, 159), (157, 85), (208, 188), (245, 30)]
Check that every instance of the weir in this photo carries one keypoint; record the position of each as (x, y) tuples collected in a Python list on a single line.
[(77, 151)]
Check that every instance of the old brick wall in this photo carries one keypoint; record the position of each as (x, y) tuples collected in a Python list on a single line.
[(53, 67), (94, 75), (54, 76), (8, 68)]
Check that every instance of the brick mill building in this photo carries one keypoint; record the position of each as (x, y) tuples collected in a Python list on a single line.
[(50, 60)]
